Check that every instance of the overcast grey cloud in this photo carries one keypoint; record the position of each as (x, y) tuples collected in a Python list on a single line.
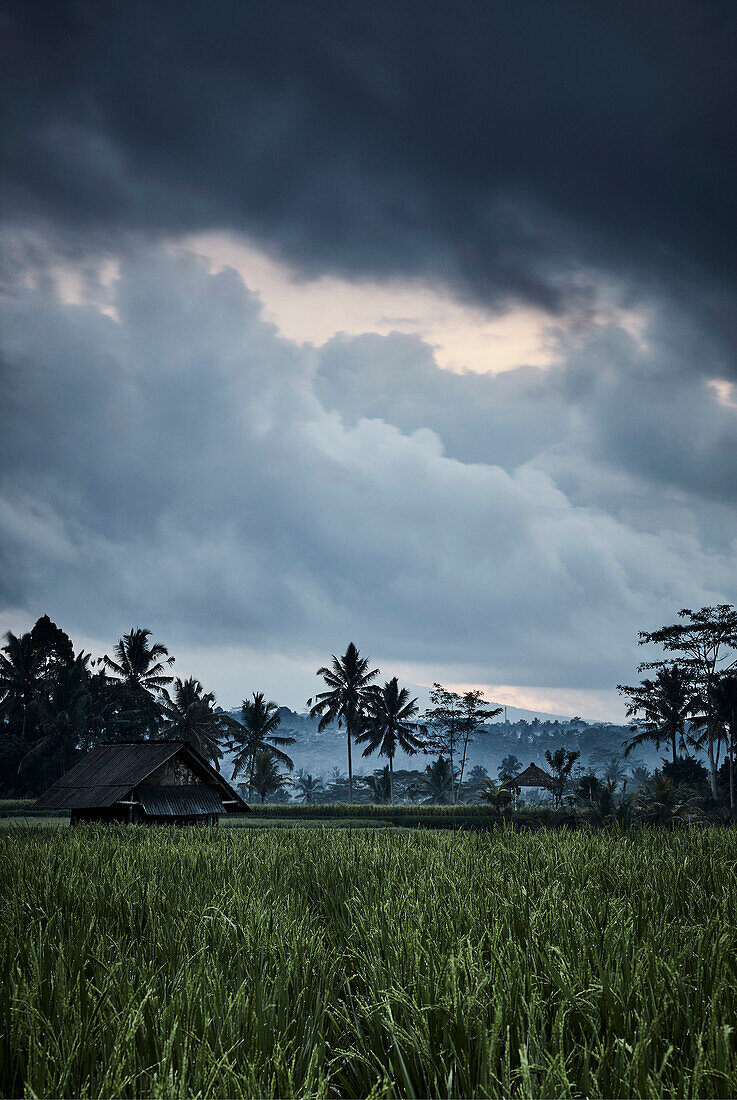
[(169, 455), (188, 461)]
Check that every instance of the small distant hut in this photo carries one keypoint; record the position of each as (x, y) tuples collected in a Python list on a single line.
[(143, 782), (533, 776)]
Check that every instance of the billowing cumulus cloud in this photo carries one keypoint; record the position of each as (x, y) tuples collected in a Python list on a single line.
[(187, 464)]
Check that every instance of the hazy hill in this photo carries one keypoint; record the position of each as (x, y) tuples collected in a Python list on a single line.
[(525, 737)]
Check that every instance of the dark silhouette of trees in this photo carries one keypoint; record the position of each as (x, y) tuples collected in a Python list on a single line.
[(21, 667), (706, 644), (346, 702), (62, 714), (389, 725)]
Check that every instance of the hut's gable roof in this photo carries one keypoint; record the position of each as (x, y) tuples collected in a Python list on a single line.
[(112, 770), (532, 776)]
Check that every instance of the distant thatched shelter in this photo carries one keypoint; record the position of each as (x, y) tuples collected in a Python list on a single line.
[(533, 776), (143, 782)]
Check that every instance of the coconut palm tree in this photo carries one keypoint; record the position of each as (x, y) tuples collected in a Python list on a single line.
[(266, 777), (307, 786), (141, 668), (509, 767), (256, 732), (437, 782), (389, 725), (191, 714), (21, 666), (663, 707), (346, 700)]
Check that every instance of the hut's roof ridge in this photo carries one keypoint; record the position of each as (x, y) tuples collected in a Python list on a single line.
[(532, 776)]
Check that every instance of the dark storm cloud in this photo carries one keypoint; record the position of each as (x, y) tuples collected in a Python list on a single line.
[(503, 148)]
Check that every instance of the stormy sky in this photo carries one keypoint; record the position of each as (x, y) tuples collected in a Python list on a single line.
[(411, 324)]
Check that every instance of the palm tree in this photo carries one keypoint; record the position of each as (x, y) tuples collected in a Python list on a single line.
[(723, 698), (141, 668), (509, 767), (347, 698), (191, 714), (389, 725), (63, 713), (306, 786), (663, 707), (266, 777), (21, 665), (438, 781), (256, 732)]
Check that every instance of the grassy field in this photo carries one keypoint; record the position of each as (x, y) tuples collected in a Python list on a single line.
[(168, 963)]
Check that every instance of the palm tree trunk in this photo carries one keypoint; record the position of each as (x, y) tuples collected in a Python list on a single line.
[(674, 746), (712, 764), (391, 780), (350, 764)]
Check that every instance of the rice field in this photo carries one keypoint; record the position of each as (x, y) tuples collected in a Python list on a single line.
[(345, 963)]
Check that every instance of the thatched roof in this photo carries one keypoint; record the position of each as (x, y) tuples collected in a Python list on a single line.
[(533, 776), (111, 772)]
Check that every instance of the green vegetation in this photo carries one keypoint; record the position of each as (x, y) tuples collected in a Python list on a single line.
[(332, 963)]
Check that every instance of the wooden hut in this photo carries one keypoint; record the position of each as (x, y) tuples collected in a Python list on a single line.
[(143, 782), (533, 776)]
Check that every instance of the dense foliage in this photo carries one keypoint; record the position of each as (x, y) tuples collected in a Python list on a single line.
[(332, 963)]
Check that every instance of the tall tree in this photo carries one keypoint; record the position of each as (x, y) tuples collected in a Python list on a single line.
[(443, 720), (662, 708), (706, 644), (62, 714), (54, 647), (256, 732), (21, 668), (389, 725), (141, 667), (474, 712), (345, 703), (190, 713)]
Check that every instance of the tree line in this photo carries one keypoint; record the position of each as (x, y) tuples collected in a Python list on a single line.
[(56, 705)]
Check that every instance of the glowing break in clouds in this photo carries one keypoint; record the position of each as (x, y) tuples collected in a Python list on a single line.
[(462, 336)]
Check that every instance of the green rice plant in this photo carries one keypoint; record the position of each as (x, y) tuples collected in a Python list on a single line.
[(383, 963)]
